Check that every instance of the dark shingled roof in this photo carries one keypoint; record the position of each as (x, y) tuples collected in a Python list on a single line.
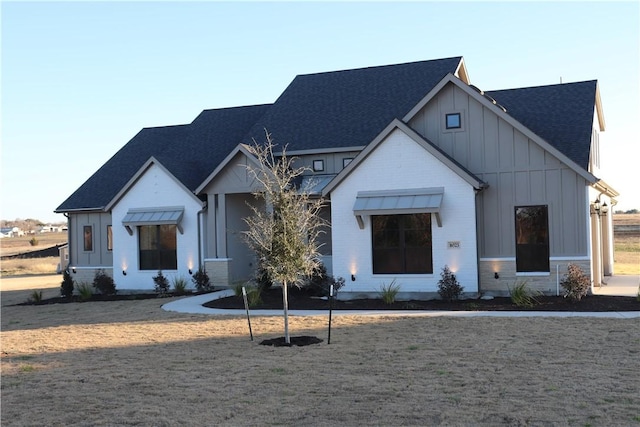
[(561, 114), (331, 110), (348, 108), (190, 152)]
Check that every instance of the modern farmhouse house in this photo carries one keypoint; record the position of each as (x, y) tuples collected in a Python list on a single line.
[(419, 169)]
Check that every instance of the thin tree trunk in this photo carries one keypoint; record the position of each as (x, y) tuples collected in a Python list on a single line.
[(285, 304)]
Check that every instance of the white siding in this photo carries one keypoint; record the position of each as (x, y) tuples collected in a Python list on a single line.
[(400, 163), (155, 188)]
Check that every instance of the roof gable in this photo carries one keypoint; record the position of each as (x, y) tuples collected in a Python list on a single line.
[(560, 114), (501, 111), (348, 108), (420, 140), (188, 152)]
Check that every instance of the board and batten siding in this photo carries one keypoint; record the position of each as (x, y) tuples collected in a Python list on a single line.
[(519, 173), (99, 255)]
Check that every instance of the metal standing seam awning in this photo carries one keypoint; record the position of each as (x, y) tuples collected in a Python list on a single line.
[(153, 216), (396, 202)]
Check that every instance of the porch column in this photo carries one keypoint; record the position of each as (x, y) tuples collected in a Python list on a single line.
[(607, 244), (596, 250)]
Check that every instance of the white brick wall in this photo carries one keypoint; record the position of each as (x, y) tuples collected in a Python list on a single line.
[(155, 188), (400, 163)]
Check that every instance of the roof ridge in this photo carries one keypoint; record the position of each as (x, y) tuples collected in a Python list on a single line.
[(544, 86), (377, 67)]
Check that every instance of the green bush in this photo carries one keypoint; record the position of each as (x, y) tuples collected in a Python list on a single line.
[(104, 283), (319, 283), (66, 288), (448, 287), (390, 292), (179, 285), (84, 291), (161, 283), (522, 296), (575, 283), (201, 280)]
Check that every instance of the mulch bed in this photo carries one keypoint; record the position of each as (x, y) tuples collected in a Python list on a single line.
[(299, 300)]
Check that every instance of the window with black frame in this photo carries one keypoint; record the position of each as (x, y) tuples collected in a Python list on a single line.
[(402, 244), (158, 247), (532, 239)]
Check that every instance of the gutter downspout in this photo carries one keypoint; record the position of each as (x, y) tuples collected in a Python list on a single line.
[(66, 214), (200, 240)]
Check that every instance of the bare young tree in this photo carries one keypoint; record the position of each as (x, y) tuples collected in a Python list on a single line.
[(284, 230)]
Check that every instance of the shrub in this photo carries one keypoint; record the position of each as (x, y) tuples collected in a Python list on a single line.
[(66, 288), (448, 287), (161, 283), (390, 292), (179, 285), (319, 283), (522, 296), (104, 283), (85, 291), (201, 280), (254, 295), (575, 283), (35, 297), (263, 279), (33, 241)]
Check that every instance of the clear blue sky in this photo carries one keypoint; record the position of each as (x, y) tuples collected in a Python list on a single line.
[(80, 79)]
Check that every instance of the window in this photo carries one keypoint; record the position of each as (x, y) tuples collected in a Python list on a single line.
[(532, 239), (88, 238), (402, 244), (109, 238), (318, 165), (453, 121), (346, 161), (158, 247)]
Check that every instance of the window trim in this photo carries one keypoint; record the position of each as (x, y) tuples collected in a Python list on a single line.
[(401, 250), (109, 238), (84, 238), (157, 249), (527, 268), (445, 115)]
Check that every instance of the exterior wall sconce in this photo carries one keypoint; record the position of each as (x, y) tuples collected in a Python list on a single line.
[(598, 208), (124, 272), (496, 275), (190, 272), (353, 277), (73, 269)]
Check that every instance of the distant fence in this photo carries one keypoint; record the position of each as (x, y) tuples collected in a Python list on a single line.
[(42, 253), (626, 229)]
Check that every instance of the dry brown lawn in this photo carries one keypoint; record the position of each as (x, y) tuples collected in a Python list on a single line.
[(131, 363)]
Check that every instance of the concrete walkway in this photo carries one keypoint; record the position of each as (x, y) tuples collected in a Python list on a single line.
[(626, 286), (618, 285)]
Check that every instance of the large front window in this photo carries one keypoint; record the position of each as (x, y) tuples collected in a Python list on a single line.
[(402, 244), (532, 239), (158, 247)]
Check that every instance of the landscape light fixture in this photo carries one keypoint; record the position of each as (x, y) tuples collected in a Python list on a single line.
[(74, 270)]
